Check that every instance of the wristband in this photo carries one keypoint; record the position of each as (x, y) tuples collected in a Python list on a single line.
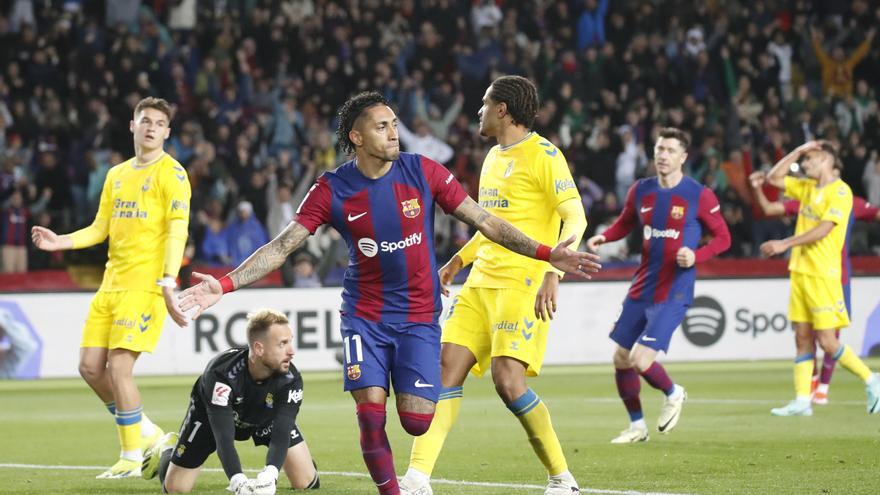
[(227, 284), (543, 252), (167, 282)]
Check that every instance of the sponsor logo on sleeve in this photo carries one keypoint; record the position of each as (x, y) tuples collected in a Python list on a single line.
[(221, 393), (564, 185)]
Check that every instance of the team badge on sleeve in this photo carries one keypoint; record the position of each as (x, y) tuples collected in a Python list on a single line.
[(220, 396), (411, 208), (354, 372)]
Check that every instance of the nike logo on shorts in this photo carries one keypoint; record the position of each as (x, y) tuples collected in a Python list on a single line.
[(419, 384), (649, 339)]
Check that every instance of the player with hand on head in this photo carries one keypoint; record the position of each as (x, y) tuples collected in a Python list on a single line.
[(144, 210), (382, 204), (252, 392), (817, 307), (673, 212), (500, 319), (861, 211)]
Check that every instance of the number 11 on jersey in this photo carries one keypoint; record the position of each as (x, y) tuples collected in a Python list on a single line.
[(358, 349)]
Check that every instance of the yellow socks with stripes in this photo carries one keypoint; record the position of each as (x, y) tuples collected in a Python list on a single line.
[(535, 418), (848, 359), (803, 376), (128, 425), (426, 448)]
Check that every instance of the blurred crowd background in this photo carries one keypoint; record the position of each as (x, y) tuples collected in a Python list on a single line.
[(256, 85)]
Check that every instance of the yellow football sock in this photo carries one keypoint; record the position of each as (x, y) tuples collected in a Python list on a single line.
[(803, 375), (848, 359), (426, 448), (128, 426), (535, 418)]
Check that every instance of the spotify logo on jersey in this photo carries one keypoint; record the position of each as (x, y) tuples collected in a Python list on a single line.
[(704, 322), (368, 247)]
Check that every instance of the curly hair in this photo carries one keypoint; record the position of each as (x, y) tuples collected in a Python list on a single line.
[(520, 96), (349, 113)]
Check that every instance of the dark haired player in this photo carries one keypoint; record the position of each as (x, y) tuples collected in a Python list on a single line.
[(673, 211), (499, 319), (382, 203), (816, 306), (861, 211)]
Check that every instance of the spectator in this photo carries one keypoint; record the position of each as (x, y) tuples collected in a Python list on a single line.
[(424, 142), (244, 234), (305, 275), (837, 69), (14, 230)]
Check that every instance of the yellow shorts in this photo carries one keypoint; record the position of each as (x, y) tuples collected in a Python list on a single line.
[(497, 322), (818, 301), (130, 320)]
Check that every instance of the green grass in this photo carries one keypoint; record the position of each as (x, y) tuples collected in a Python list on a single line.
[(726, 442)]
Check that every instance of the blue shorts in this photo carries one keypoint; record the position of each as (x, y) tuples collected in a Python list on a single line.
[(649, 324), (847, 292), (406, 353)]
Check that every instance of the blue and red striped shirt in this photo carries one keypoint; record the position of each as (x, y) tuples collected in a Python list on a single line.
[(388, 224), (14, 229), (670, 219)]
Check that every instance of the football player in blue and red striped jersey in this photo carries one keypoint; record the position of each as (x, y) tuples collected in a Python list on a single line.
[(382, 203), (673, 212)]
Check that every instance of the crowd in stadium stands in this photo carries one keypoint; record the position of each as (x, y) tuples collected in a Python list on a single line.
[(256, 85)]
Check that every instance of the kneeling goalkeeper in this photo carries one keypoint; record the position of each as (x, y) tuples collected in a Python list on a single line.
[(253, 392)]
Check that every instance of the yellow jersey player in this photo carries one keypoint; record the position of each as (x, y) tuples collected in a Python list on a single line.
[(816, 305), (144, 209), (499, 320)]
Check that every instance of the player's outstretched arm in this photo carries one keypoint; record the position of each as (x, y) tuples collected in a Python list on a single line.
[(48, 240), (502, 232), (264, 260)]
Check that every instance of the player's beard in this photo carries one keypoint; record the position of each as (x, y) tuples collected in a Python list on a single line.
[(389, 154)]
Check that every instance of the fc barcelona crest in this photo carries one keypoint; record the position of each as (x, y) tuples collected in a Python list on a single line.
[(411, 208), (677, 212), (354, 372)]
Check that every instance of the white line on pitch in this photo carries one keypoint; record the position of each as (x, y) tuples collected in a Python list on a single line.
[(358, 475)]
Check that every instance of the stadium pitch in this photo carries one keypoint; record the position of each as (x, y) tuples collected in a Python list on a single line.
[(55, 437)]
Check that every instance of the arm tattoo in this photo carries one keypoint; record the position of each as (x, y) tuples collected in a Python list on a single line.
[(496, 229), (514, 240), (270, 256)]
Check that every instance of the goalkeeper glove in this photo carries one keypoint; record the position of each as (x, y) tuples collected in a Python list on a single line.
[(239, 484), (266, 479)]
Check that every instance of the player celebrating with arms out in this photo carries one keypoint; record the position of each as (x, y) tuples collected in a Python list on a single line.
[(498, 320), (673, 210), (382, 203), (252, 392), (816, 305), (144, 209)]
